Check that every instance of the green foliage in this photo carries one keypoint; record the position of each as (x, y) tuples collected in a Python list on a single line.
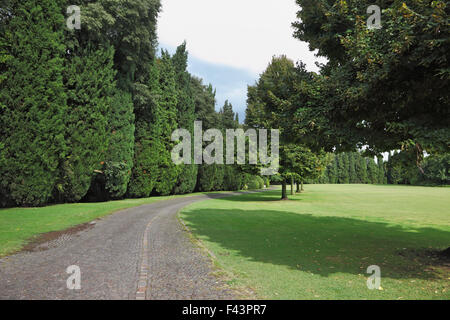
[(116, 171), (361, 169), (353, 178), (147, 144), (233, 179), (372, 171), (332, 171), (270, 100), (343, 169), (437, 169), (119, 158), (205, 101), (386, 88), (167, 123), (211, 177), (273, 104), (381, 177), (402, 170), (261, 182), (130, 27), (89, 83), (32, 100), (254, 182), (187, 179), (89, 114), (353, 168)]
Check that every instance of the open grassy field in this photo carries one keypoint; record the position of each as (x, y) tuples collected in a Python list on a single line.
[(19, 225), (319, 244)]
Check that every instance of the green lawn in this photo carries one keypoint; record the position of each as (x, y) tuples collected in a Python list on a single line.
[(320, 244), (19, 225)]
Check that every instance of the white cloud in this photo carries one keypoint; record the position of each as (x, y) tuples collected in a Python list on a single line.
[(243, 34)]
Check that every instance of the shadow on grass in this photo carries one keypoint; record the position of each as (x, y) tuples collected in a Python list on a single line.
[(269, 195), (324, 245)]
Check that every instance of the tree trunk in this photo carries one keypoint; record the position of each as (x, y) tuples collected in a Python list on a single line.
[(283, 190), (298, 187), (292, 186), (302, 187)]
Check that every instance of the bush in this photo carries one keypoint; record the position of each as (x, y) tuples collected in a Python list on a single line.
[(233, 179), (210, 177), (187, 180), (255, 182), (261, 182)]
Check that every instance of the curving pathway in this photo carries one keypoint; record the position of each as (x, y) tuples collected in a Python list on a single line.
[(138, 253)]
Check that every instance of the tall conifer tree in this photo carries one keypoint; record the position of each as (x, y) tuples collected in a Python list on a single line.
[(32, 100)]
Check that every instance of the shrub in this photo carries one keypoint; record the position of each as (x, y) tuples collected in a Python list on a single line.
[(255, 183), (233, 179)]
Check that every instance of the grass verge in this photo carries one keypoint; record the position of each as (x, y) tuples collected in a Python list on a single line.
[(319, 244)]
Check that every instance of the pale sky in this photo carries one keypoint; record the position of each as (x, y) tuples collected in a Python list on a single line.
[(240, 34)]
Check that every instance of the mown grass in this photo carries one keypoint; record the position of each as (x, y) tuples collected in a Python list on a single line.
[(319, 244), (20, 225)]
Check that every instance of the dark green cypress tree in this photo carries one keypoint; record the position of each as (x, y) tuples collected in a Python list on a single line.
[(333, 172), (361, 169), (112, 181), (89, 82), (372, 171), (233, 174), (167, 121), (148, 146), (156, 119), (346, 167), (210, 177), (130, 27), (187, 179), (119, 158), (352, 163), (227, 117), (32, 100), (323, 179), (381, 172), (343, 169)]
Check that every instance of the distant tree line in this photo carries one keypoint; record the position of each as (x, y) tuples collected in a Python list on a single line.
[(88, 114), (400, 168), (354, 168)]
